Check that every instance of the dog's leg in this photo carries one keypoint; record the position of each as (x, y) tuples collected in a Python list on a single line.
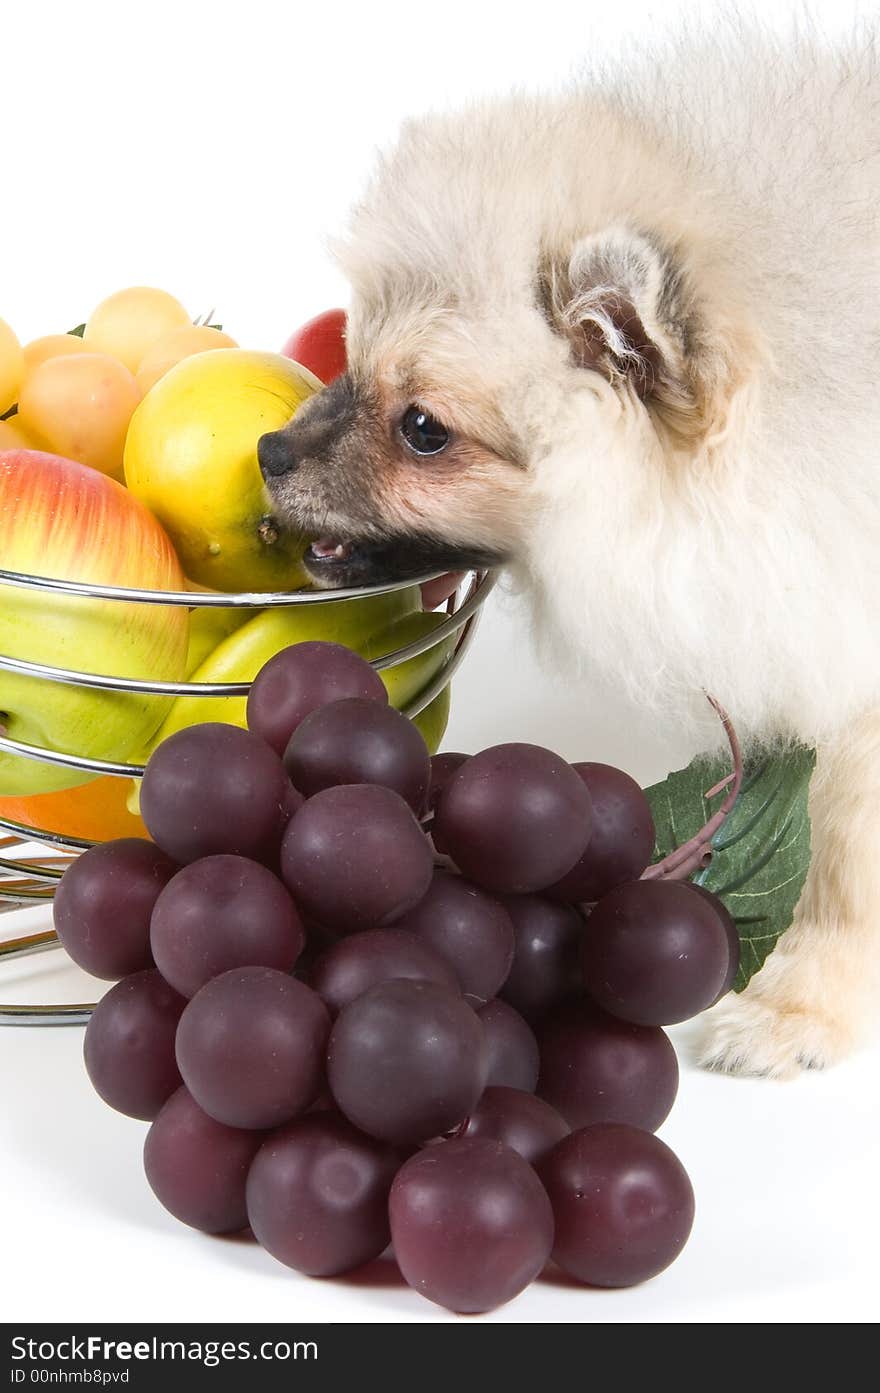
[(813, 999)]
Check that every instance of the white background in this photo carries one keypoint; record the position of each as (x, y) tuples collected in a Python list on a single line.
[(209, 148)]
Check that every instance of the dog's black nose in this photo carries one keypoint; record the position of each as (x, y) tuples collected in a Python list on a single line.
[(275, 454)]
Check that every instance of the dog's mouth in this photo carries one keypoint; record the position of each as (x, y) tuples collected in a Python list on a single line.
[(336, 562), (329, 549)]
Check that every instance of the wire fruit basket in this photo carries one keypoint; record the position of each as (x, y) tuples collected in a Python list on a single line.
[(32, 860)]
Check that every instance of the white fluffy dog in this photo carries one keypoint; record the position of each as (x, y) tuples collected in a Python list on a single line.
[(627, 342)]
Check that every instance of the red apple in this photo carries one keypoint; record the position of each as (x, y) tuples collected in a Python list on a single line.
[(320, 345), (67, 521)]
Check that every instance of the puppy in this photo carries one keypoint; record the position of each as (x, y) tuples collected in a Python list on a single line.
[(625, 343)]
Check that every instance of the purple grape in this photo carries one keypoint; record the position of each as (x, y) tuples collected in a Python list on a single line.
[(350, 967), (469, 929), (103, 903), (293, 801), (514, 818), (215, 788), (354, 857), (622, 1202), (513, 1050), (442, 769), (523, 1122), (407, 1060), (733, 939), (622, 840), (250, 1047), (219, 913), (443, 766), (471, 1224), (357, 741), (301, 678), (317, 1195), (655, 952), (595, 1068), (197, 1168), (129, 1044), (546, 966)]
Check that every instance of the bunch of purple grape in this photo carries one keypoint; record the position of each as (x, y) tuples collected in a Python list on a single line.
[(365, 996)]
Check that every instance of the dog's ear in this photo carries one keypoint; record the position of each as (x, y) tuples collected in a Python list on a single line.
[(620, 301)]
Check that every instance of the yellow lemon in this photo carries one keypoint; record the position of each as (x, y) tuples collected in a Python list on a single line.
[(191, 457)]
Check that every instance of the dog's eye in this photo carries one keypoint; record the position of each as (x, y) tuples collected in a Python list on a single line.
[(424, 434)]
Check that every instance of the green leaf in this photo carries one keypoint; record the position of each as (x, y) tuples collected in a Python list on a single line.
[(761, 853), (216, 326), (78, 332)]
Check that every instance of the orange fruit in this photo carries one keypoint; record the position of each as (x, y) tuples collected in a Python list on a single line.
[(96, 811)]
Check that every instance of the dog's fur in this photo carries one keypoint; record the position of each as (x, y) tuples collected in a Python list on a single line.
[(649, 314)]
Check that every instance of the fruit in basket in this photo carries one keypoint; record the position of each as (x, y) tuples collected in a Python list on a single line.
[(320, 345), (11, 367), (406, 680), (51, 346), (13, 437), (129, 322), (96, 811), (432, 722), (191, 457), (79, 406), (172, 348), (62, 520), (209, 625)]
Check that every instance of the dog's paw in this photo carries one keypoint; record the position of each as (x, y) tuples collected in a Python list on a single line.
[(774, 1038)]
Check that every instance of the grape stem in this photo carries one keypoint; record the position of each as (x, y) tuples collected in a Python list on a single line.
[(696, 853)]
